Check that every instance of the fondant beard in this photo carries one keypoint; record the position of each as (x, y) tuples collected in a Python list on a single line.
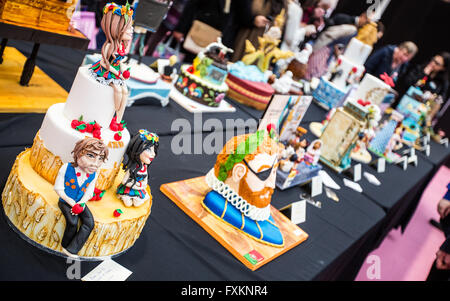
[(260, 198)]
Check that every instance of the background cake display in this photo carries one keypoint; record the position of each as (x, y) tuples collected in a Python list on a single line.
[(29, 201), (248, 78)]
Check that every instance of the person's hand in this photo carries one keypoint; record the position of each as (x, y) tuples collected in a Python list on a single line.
[(260, 21), (442, 260), (443, 208), (77, 209), (178, 36)]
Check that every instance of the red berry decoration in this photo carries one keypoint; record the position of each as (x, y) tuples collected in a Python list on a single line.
[(77, 209), (126, 74), (114, 127), (354, 69), (89, 128), (74, 123), (118, 136), (117, 212)]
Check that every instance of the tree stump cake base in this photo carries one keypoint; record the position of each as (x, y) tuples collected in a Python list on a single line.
[(31, 205)]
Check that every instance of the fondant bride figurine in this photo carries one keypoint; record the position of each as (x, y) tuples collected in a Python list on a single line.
[(139, 155), (117, 26)]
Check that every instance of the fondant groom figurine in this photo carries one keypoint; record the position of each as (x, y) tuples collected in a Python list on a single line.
[(75, 186), (242, 182)]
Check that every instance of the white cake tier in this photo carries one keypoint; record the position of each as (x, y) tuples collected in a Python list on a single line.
[(347, 66), (60, 138), (357, 51), (90, 99), (371, 89)]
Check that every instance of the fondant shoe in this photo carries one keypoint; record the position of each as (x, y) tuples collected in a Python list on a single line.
[(263, 231)]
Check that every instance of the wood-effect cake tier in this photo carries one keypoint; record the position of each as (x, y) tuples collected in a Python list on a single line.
[(31, 205), (47, 165)]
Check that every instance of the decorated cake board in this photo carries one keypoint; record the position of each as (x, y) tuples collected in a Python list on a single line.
[(41, 93), (188, 195), (144, 82), (328, 96), (362, 156), (196, 107), (31, 206)]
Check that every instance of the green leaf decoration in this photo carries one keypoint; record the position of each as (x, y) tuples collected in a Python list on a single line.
[(249, 146), (81, 127), (119, 210), (81, 118)]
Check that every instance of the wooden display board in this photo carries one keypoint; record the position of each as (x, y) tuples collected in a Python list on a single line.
[(188, 195)]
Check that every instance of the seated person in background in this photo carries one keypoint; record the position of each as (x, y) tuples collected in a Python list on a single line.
[(432, 76), (440, 271), (392, 60)]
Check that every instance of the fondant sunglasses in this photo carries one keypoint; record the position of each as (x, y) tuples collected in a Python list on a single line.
[(262, 175)]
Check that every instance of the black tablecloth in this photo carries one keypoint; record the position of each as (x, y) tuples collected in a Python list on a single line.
[(173, 247)]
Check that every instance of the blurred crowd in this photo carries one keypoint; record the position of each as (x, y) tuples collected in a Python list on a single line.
[(305, 22)]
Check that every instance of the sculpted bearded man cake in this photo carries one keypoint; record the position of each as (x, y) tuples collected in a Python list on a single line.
[(29, 199), (242, 183)]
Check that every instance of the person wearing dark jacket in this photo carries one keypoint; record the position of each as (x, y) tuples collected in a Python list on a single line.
[(392, 60), (440, 271), (217, 14), (432, 76)]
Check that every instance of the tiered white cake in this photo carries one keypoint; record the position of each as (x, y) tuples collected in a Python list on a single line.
[(56, 138), (29, 200), (350, 64)]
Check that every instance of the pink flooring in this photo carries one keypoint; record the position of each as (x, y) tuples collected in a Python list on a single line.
[(408, 256)]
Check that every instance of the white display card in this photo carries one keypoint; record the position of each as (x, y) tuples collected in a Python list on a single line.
[(357, 172), (316, 186), (381, 165), (413, 159), (108, 270), (427, 150), (298, 212)]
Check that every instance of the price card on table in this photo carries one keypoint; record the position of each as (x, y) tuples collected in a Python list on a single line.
[(381, 165), (108, 270), (316, 186), (357, 172), (298, 213)]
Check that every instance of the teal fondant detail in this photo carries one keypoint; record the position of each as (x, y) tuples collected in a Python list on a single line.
[(265, 231)]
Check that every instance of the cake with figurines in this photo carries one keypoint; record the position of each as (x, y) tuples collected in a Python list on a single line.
[(72, 171), (248, 78), (343, 73), (204, 80)]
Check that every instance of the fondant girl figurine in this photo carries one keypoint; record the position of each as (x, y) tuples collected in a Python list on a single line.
[(117, 26), (312, 155), (140, 153)]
